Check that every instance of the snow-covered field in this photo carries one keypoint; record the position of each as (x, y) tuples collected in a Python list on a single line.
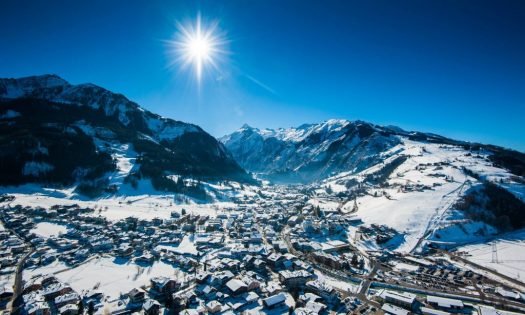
[(509, 258), (47, 229), (186, 246), (111, 275), (147, 207)]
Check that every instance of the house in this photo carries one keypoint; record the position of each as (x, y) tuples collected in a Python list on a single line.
[(70, 298), (315, 307), (136, 296), (401, 299), (163, 285), (213, 306), (431, 311), (125, 250), (273, 287), (221, 278), (251, 283), (444, 303), (274, 300), (394, 310), (56, 289), (37, 308), (236, 286), (68, 309), (275, 259), (322, 289), (202, 277), (294, 279), (151, 307), (511, 294)]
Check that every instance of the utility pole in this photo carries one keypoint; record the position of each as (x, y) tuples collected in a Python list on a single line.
[(494, 253)]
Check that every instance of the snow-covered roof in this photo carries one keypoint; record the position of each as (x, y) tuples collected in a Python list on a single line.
[(235, 285), (274, 299), (395, 310), (444, 302), (431, 311)]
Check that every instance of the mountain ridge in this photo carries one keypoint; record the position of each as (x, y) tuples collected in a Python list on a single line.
[(250, 146), (37, 111)]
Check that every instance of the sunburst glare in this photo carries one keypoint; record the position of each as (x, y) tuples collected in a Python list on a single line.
[(197, 45)]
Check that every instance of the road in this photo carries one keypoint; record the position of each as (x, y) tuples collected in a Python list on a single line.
[(17, 287)]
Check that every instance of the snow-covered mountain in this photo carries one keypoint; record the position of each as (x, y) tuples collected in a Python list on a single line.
[(310, 151), (316, 151), (57, 133)]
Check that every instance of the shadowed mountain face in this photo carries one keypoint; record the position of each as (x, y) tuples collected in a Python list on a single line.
[(315, 151), (57, 133)]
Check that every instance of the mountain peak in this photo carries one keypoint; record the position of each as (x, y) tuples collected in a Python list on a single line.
[(246, 126)]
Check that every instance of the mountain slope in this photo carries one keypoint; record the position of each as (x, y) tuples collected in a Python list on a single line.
[(56, 133)]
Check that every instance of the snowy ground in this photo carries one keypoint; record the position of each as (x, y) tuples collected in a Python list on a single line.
[(338, 284), (510, 255), (47, 229), (147, 206), (111, 275), (186, 246)]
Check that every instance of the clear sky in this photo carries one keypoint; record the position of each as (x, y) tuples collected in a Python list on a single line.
[(455, 68)]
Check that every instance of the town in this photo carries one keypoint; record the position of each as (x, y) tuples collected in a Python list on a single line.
[(272, 253)]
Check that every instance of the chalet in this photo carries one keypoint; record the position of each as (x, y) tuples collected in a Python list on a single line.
[(315, 307), (31, 285), (213, 306), (236, 286), (401, 299), (251, 297), (274, 300), (136, 296), (69, 309), (70, 298), (294, 279), (202, 277), (56, 289), (38, 308), (272, 288), (151, 307), (394, 310), (221, 278), (431, 311), (275, 259), (163, 285), (322, 289), (48, 279), (125, 250), (251, 283)]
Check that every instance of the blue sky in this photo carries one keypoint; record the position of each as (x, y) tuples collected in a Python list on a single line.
[(455, 68)]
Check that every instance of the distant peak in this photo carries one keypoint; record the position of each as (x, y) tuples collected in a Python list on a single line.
[(44, 77), (247, 127)]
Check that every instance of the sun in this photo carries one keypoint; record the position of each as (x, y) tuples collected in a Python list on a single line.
[(197, 45)]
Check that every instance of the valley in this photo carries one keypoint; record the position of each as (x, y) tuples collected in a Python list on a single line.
[(150, 215)]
